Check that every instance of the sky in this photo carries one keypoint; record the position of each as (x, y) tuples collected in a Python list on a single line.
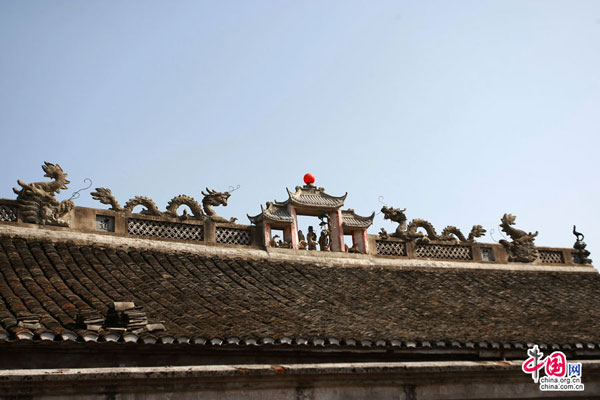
[(458, 111)]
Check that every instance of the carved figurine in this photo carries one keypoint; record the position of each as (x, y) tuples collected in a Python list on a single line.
[(324, 240), (302, 244), (274, 241), (521, 249), (409, 232), (324, 218), (581, 245), (37, 201), (311, 239), (353, 249), (383, 234), (283, 244)]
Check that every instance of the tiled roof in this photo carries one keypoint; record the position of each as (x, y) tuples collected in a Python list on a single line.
[(273, 212), (352, 220), (46, 287), (311, 196)]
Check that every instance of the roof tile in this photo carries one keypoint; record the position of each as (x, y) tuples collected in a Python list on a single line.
[(210, 298)]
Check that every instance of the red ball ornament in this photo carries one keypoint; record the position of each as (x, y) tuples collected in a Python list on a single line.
[(309, 178)]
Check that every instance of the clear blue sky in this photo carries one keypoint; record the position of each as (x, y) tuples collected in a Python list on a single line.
[(459, 111)]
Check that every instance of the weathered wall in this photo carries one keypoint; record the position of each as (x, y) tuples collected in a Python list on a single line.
[(373, 381)]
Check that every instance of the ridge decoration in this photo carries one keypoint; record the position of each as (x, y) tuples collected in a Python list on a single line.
[(521, 249), (584, 255), (409, 232), (211, 199), (37, 200)]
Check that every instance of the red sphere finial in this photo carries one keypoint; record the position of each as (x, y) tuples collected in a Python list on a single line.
[(309, 179)]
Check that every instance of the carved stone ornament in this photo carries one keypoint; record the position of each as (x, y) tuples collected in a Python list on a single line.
[(521, 249), (311, 239), (409, 232), (214, 198), (324, 240), (37, 201), (581, 245), (211, 199)]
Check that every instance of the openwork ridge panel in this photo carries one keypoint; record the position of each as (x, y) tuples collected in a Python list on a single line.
[(551, 257), (390, 248), (450, 252), (169, 230), (233, 236), (8, 213)]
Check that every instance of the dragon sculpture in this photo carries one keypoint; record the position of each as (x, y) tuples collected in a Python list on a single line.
[(211, 199), (37, 201), (521, 249), (409, 232), (189, 201)]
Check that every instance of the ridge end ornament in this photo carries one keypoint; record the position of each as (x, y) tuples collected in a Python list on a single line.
[(522, 248), (581, 246), (37, 200)]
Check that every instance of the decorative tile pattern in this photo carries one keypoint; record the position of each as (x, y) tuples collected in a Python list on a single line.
[(551, 257), (233, 236), (445, 251), (318, 199), (390, 248), (278, 214), (352, 220), (168, 230), (8, 213)]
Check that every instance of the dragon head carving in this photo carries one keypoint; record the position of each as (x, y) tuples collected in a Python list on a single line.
[(477, 231), (212, 198), (508, 219), (394, 214)]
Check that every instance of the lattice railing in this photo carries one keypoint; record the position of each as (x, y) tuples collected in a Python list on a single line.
[(8, 213), (233, 236), (390, 248), (551, 257), (446, 251), (169, 230)]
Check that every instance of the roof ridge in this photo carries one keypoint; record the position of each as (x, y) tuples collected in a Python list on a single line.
[(277, 255)]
